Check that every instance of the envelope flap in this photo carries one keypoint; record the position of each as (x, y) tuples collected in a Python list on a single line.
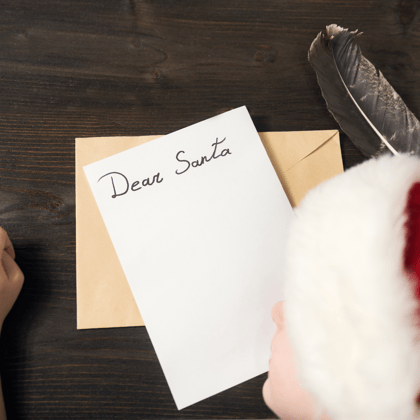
[(295, 146)]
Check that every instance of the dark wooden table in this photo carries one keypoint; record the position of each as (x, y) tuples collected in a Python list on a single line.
[(79, 68)]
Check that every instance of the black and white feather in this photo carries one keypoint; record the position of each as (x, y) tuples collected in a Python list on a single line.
[(359, 97)]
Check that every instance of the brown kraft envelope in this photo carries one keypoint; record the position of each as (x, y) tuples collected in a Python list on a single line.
[(302, 160)]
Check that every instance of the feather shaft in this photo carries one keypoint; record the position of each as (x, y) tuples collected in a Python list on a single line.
[(365, 117)]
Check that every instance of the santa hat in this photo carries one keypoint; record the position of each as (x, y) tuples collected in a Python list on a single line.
[(350, 297)]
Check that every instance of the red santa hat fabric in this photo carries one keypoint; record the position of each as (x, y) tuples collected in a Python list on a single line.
[(412, 245), (350, 292)]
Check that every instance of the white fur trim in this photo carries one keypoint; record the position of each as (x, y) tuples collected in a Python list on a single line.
[(348, 303)]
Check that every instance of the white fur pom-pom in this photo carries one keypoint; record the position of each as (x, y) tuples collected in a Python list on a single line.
[(349, 304)]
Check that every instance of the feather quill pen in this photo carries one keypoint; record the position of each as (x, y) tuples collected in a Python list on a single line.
[(359, 97)]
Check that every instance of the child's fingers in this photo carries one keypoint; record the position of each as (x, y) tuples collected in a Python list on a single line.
[(6, 244)]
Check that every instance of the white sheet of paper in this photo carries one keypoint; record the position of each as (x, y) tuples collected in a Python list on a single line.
[(202, 248)]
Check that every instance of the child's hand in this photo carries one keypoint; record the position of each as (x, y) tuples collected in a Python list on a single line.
[(11, 277)]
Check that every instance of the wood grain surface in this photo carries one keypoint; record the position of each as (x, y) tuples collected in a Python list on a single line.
[(73, 68)]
